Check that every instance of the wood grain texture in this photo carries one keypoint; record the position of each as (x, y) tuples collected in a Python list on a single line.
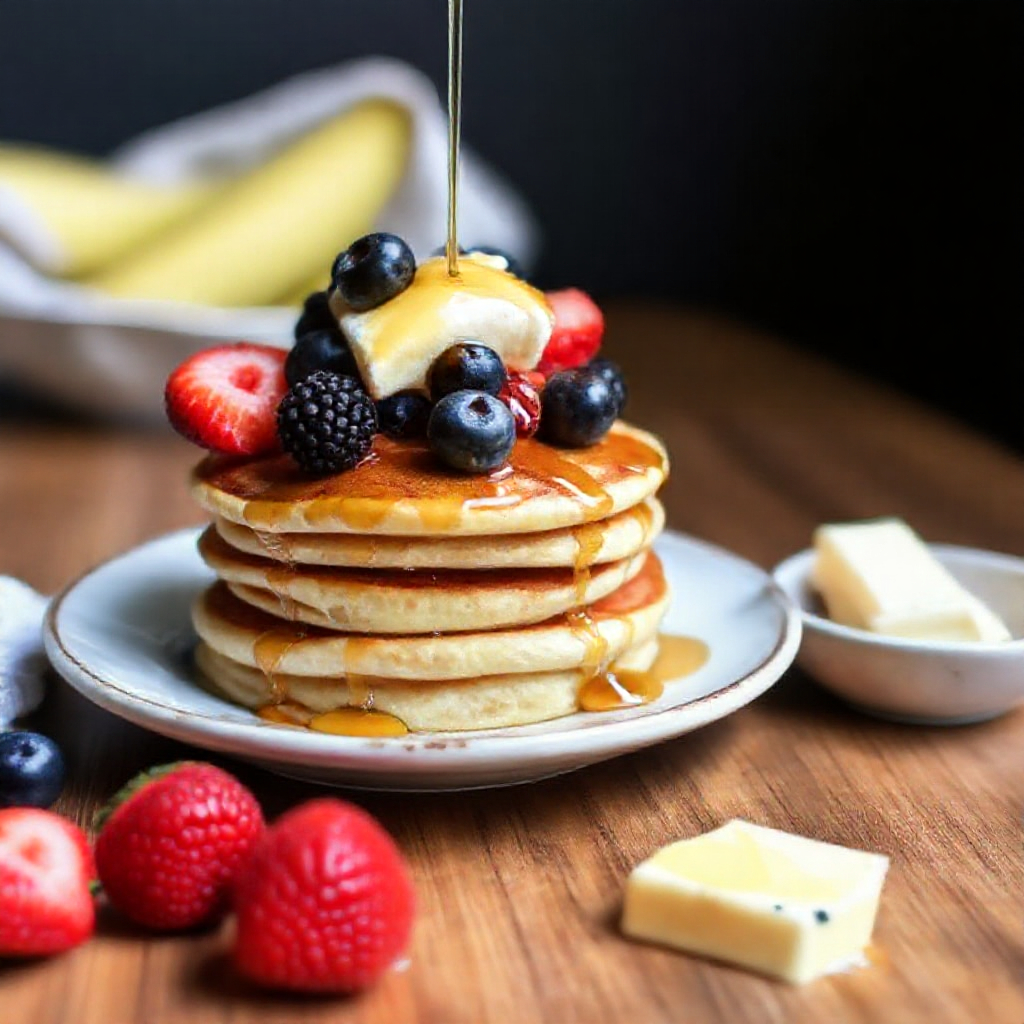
[(520, 889)]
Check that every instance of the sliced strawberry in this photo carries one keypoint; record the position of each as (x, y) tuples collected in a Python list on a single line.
[(226, 398), (46, 869), (577, 334)]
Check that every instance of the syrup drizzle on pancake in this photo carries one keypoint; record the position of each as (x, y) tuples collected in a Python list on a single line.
[(589, 540), (364, 497), (268, 651)]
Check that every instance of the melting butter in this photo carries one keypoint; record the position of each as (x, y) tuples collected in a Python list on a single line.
[(396, 343)]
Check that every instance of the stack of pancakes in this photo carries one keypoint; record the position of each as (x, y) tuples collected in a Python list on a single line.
[(428, 599)]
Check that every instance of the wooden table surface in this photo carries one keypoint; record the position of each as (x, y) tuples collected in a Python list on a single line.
[(520, 888)]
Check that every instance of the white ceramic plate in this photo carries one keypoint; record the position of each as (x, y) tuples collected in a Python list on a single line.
[(121, 636)]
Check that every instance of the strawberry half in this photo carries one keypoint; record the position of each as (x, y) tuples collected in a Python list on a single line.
[(226, 398), (46, 869), (577, 334)]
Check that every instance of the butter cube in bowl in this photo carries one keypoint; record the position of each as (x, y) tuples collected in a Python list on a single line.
[(930, 634)]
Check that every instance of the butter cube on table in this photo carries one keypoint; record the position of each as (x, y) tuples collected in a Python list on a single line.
[(773, 902)]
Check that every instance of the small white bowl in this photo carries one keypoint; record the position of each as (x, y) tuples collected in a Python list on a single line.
[(917, 681)]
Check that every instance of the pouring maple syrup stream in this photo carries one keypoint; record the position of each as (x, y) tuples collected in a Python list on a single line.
[(454, 131)]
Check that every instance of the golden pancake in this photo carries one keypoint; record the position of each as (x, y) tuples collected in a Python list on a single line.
[(424, 601), (403, 490), (491, 702), (628, 618), (620, 536)]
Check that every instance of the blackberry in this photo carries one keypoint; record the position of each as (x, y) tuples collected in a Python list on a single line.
[(327, 423)]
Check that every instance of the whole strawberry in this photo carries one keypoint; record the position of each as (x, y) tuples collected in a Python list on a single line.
[(577, 332), (46, 869), (325, 903), (172, 842)]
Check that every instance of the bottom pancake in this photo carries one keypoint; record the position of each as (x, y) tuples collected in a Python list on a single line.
[(491, 702)]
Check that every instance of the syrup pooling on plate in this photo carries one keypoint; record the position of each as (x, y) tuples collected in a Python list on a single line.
[(678, 657), (286, 713), (357, 722)]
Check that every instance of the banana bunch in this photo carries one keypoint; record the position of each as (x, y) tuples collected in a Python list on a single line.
[(265, 237)]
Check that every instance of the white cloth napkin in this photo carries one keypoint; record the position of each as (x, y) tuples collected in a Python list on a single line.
[(22, 661), (112, 353)]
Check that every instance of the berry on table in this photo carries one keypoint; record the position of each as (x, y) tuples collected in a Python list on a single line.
[(325, 903), (466, 366), (225, 398), (316, 315), (577, 333), (373, 269), (522, 396), (171, 843), (46, 869), (404, 416), (31, 770), (577, 409), (612, 373), (322, 349), (471, 431), (327, 423)]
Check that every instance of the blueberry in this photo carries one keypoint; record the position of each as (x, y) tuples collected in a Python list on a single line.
[(578, 408), (612, 373), (404, 415), (31, 770), (467, 366), (373, 269), (316, 314), (471, 431), (319, 350)]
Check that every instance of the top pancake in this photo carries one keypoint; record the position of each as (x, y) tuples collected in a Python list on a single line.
[(402, 490)]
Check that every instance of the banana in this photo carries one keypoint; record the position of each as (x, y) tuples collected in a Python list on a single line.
[(278, 226), (69, 215)]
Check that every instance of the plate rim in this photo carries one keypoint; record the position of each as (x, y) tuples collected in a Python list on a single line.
[(446, 750)]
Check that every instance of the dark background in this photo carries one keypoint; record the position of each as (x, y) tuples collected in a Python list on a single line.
[(844, 173)]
